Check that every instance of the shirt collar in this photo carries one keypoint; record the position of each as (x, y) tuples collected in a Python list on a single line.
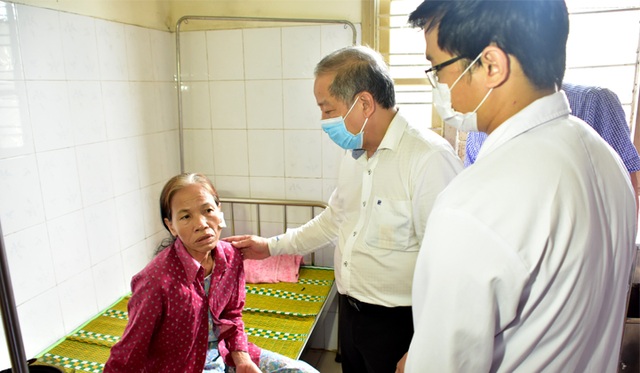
[(541, 111), (192, 266), (391, 138)]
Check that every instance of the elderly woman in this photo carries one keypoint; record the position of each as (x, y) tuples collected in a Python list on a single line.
[(185, 311)]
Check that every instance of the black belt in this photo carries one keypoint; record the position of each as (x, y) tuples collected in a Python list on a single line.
[(373, 308)]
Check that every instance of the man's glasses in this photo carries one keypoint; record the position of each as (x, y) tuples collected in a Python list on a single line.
[(431, 72)]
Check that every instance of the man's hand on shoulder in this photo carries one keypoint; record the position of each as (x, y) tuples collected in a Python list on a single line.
[(251, 247)]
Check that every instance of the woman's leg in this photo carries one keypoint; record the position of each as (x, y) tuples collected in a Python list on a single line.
[(214, 362), (272, 362)]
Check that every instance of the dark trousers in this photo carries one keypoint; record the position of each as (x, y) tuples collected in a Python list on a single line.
[(372, 338)]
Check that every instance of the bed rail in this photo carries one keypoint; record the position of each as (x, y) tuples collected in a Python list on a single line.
[(267, 217), (258, 203)]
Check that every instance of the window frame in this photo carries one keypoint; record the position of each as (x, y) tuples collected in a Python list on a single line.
[(382, 42)]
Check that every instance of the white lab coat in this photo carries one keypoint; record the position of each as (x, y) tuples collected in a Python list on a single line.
[(527, 253)]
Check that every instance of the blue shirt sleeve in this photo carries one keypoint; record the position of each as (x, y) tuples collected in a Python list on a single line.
[(602, 110)]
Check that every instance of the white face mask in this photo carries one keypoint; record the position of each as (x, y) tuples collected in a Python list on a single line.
[(442, 101)]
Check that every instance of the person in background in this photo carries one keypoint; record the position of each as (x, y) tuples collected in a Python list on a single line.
[(526, 259), (185, 312), (598, 107), (388, 180)]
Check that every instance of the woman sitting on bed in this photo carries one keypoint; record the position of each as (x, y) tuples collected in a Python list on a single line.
[(185, 311)]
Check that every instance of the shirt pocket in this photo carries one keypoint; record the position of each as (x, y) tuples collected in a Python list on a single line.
[(391, 226)]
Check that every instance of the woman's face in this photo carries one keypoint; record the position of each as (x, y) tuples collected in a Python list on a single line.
[(195, 218)]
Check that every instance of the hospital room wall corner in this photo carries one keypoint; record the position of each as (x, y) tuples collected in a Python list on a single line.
[(89, 134)]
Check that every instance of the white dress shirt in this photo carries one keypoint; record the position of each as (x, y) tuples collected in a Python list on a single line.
[(377, 214), (527, 256)]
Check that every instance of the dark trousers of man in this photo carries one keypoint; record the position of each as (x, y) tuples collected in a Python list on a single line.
[(372, 338)]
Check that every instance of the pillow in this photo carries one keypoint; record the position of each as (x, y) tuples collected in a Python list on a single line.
[(279, 268)]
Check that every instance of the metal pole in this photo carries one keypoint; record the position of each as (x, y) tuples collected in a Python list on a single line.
[(178, 80), (10, 315)]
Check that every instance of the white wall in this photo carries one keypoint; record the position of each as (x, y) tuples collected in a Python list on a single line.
[(250, 117), (88, 136)]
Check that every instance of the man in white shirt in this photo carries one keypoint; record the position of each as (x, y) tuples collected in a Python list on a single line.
[(389, 178), (526, 260)]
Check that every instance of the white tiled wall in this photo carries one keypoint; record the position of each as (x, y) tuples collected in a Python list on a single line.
[(250, 117), (88, 136)]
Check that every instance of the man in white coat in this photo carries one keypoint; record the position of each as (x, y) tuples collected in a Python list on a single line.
[(389, 177), (527, 255)]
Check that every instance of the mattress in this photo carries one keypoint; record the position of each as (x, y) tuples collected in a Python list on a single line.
[(279, 317)]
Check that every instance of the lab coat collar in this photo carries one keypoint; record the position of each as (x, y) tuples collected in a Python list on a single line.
[(539, 112)]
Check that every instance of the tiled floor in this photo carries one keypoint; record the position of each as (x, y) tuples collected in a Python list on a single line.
[(324, 361)]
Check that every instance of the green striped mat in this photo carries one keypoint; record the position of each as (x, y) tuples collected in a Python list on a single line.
[(278, 317)]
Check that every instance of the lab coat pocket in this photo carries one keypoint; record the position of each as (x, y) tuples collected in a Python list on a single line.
[(390, 226)]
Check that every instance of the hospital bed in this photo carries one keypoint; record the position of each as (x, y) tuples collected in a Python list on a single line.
[(278, 316)]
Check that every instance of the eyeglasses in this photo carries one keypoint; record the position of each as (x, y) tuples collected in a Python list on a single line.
[(431, 72)]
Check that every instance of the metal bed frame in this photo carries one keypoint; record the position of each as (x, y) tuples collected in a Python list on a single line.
[(230, 205)]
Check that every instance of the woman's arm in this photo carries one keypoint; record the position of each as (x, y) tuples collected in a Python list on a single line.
[(145, 307), (243, 363), (231, 326)]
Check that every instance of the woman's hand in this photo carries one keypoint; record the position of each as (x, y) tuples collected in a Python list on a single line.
[(248, 368), (243, 362)]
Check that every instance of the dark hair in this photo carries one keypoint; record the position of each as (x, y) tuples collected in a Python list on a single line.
[(358, 69), (534, 31), (172, 186)]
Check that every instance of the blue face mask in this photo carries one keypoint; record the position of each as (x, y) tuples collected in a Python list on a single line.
[(337, 131)]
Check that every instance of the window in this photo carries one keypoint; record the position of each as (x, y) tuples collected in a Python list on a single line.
[(601, 50), (403, 47), (602, 46)]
